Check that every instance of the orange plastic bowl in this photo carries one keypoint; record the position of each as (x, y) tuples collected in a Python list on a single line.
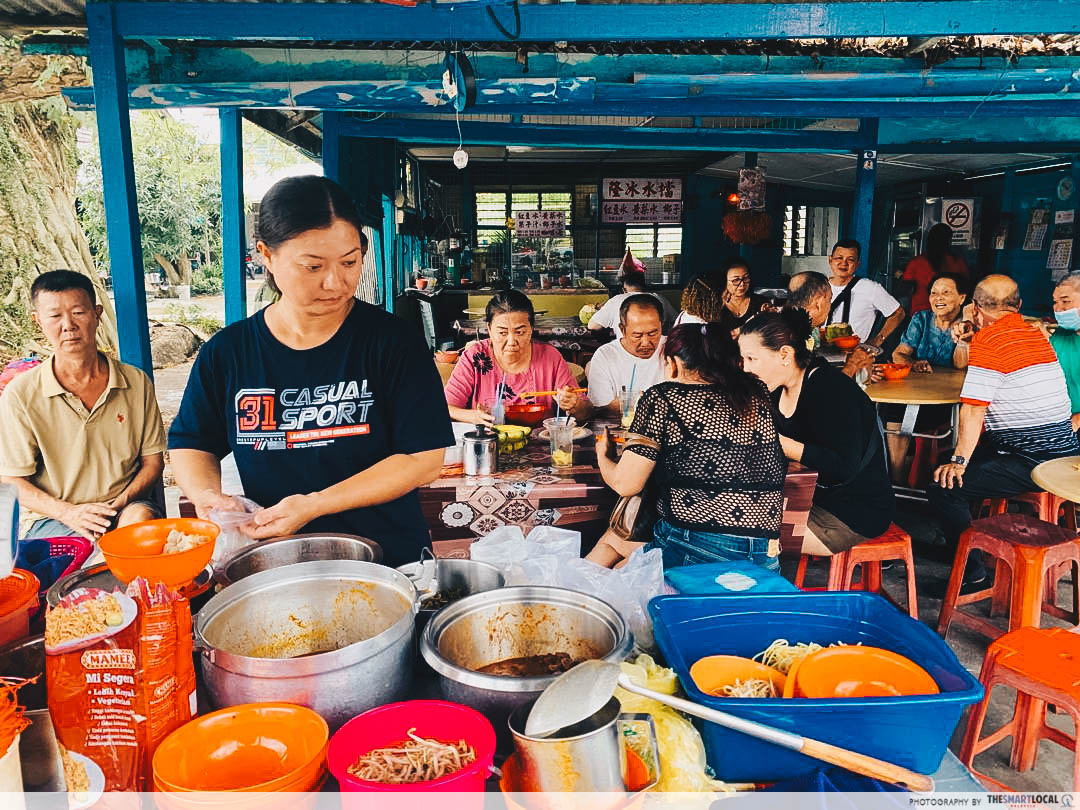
[(526, 414), (714, 672), (136, 551), (446, 357), (894, 371), (840, 672), (846, 343), (264, 747)]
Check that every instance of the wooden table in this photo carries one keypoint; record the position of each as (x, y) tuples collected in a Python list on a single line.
[(1059, 476), (942, 387), (528, 492)]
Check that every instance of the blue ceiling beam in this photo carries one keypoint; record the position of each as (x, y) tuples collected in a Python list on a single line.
[(579, 98), (428, 131), (365, 22)]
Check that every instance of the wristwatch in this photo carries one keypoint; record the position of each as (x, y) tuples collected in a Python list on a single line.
[(959, 461)]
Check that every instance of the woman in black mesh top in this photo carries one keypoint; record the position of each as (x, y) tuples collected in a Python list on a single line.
[(719, 467), (827, 423)]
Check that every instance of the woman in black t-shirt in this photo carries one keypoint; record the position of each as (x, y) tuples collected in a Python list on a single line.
[(827, 423), (717, 459), (332, 408)]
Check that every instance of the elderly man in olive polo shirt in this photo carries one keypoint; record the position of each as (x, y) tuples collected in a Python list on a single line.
[(82, 437)]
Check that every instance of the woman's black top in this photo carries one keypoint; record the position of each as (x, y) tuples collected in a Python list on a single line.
[(717, 470), (836, 422), (729, 320)]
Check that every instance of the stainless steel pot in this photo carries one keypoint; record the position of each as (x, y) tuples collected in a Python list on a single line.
[(299, 548), (334, 635), (466, 576), (39, 753), (511, 623)]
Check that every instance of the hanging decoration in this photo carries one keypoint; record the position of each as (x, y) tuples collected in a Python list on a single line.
[(750, 224)]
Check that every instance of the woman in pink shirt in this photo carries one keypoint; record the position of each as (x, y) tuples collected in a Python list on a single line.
[(510, 356)]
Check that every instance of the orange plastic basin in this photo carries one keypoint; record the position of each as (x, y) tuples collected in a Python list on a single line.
[(714, 672), (846, 343), (894, 371), (136, 551), (266, 747), (861, 672), (526, 414)]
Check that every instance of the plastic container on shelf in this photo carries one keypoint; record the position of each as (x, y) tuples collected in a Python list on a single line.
[(18, 601), (912, 731), (433, 719)]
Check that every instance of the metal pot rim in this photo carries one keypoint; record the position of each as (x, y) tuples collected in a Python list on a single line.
[(517, 594), (320, 662), (222, 568)]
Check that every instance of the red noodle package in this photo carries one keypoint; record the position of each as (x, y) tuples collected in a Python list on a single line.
[(120, 678)]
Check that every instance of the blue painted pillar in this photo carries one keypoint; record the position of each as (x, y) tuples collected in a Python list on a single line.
[(118, 181), (331, 145), (389, 240), (233, 230), (862, 208)]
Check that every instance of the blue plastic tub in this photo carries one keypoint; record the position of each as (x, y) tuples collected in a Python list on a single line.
[(910, 731)]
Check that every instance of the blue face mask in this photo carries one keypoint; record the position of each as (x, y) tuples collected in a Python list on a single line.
[(1069, 319)]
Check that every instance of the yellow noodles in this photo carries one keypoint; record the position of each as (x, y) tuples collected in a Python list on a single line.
[(83, 619), (783, 656), (751, 687)]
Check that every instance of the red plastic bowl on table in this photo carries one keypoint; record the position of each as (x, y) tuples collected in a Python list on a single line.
[(432, 719), (529, 414), (18, 599), (136, 551)]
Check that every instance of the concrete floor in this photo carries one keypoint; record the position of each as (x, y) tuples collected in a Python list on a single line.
[(1054, 767)]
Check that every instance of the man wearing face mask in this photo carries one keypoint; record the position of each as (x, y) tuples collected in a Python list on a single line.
[(1066, 338)]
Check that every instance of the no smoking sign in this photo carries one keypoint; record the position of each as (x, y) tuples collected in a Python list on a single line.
[(957, 215)]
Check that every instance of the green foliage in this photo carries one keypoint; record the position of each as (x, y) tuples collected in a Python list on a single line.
[(208, 280), (192, 316), (178, 187)]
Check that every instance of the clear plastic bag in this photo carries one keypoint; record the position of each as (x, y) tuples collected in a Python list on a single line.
[(230, 540), (627, 589), (532, 560)]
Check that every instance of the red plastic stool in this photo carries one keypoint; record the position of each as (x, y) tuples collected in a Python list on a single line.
[(894, 544), (1043, 666), (1026, 550)]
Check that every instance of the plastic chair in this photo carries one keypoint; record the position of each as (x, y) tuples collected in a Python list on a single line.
[(1026, 550), (894, 544), (1043, 666)]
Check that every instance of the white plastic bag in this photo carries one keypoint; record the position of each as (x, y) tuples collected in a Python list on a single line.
[(627, 589), (230, 540), (532, 560)]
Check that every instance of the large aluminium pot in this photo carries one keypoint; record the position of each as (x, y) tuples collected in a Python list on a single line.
[(39, 753), (271, 554), (515, 622), (333, 635)]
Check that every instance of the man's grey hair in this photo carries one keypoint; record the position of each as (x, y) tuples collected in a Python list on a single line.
[(986, 300), (804, 287), (1071, 280)]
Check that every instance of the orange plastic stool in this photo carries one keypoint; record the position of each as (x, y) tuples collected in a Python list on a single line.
[(894, 544), (1043, 666), (1026, 550)]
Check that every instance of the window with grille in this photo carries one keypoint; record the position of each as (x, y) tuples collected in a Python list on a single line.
[(654, 240), (809, 230), (493, 208)]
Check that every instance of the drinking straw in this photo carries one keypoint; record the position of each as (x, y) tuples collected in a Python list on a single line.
[(633, 372)]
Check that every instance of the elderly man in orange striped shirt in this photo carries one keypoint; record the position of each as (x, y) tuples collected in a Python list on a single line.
[(1015, 390)]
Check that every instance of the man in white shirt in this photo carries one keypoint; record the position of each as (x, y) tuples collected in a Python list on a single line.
[(633, 283), (857, 301), (636, 359)]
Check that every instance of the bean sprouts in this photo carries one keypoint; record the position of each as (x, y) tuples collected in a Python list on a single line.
[(416, 759)]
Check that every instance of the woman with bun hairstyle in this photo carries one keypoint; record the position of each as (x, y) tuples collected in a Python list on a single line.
[(708, 433), (827, 423)]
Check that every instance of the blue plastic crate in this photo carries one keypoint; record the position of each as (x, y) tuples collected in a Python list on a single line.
[(910, 731)]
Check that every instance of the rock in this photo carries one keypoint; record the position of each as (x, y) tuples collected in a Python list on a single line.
[(172, 343)]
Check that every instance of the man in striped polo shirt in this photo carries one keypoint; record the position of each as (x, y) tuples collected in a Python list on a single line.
[(1016, 389)]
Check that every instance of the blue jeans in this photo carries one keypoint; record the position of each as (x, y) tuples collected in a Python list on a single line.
[(688, 547)]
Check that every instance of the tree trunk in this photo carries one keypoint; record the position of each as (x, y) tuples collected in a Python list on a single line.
[(39, 230), (185, 268), (170, 269)]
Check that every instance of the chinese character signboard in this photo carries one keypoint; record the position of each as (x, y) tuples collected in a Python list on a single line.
[(612, 211), (539, 224)]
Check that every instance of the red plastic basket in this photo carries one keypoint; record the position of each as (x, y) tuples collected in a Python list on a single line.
[(78, 547)]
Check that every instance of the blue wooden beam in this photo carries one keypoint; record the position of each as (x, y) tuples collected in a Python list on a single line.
[(579, 97), (365, 22), (862, 208), (233, 230), (118, 181)]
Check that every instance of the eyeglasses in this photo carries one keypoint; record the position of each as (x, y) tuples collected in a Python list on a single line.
[(741, 280)]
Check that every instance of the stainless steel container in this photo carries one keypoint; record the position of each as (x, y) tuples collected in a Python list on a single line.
[(298, 548), (39, 753), (464, 576), (334, 635), (481, 449), (510, 623), (589, 757)]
